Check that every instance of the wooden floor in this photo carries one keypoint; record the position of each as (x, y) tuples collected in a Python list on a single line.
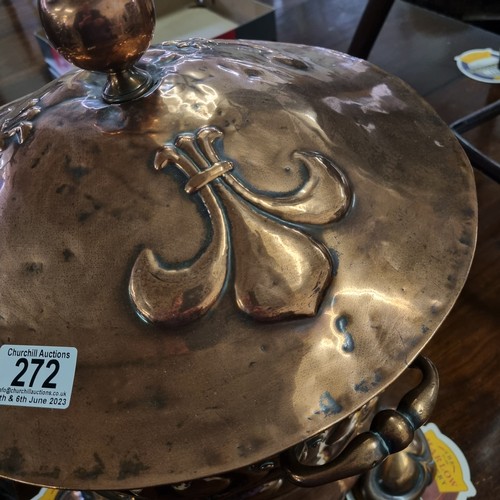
[(419, 47)]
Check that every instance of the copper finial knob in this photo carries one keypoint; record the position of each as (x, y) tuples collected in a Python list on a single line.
[(103, 35)]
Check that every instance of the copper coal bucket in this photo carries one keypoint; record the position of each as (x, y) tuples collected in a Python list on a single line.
[(216, 262)]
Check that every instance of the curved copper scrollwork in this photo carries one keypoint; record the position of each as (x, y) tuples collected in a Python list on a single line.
[(391, 431), (403, 476), (280, 271), (16, 122)]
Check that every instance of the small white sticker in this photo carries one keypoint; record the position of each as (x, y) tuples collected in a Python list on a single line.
[(37, 376)]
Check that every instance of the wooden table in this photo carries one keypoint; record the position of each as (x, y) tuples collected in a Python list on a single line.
[(419, 47)]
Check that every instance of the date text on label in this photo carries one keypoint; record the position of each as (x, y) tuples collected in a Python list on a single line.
[(37, 376)]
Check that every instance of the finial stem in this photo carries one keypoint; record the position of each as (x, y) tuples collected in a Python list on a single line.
[(126, 85), (106, 36)]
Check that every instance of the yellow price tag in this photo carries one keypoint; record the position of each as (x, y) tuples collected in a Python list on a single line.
[(452, 470)]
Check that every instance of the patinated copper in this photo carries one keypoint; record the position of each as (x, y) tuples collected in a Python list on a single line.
[(244, 256), (105, 36), (404, 475)]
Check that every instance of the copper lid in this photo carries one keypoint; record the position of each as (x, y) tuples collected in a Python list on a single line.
[(242, 256)]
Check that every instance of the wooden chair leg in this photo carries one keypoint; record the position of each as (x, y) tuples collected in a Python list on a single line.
[(369, 27)]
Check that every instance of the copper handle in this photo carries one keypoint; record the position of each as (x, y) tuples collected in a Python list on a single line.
[(391, 431)]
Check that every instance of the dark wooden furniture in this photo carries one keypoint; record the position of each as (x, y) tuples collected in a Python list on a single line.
[(369, 26), (418, 46)]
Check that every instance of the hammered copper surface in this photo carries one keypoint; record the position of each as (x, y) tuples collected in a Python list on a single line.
[(279, 272), (404, 475), (391, 431), (81, 201)]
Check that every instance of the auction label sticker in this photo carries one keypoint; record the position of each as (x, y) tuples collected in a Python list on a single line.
[(452, 479), (37, 376)]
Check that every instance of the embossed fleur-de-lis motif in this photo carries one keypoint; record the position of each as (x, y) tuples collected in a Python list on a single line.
[(280, 271), (16, 121)]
